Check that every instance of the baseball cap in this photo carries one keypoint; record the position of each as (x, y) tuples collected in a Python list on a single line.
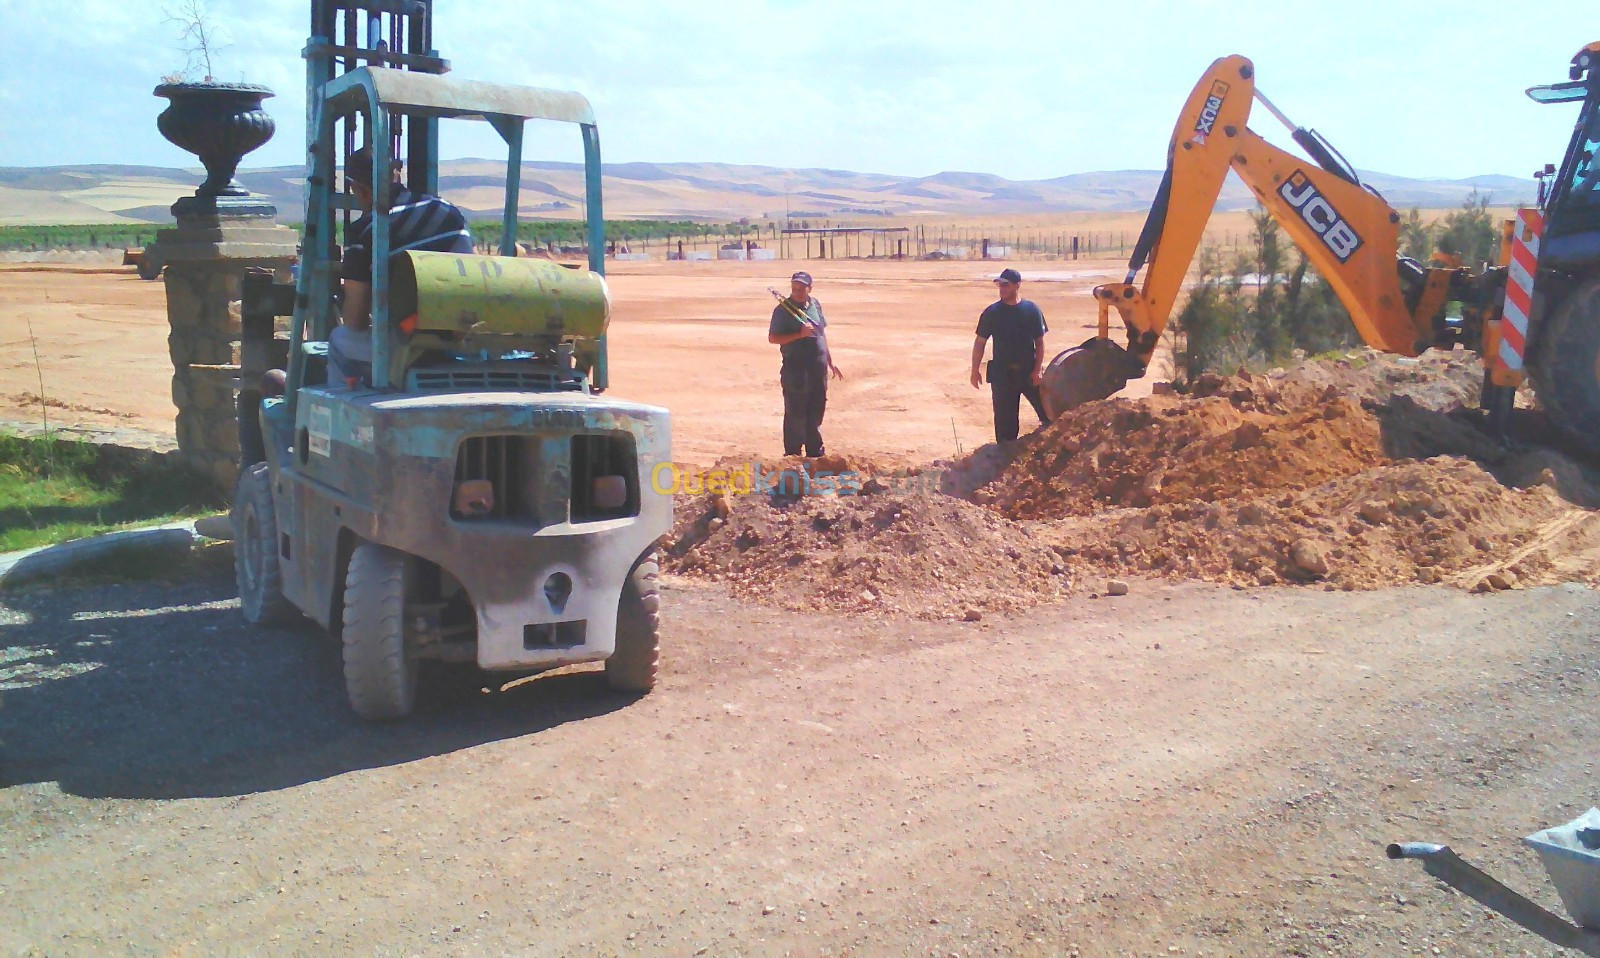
[(1008, 276), (801, 277), (358, 166)]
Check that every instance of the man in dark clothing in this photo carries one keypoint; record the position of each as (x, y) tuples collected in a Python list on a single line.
[(416, 221), (798, 328), (1017, 327)]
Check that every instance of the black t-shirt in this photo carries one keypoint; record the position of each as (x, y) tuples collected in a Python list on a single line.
[(416, 221), (810, 349), (1014, 330)]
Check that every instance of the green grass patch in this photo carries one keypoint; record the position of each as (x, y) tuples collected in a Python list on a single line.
[(96, 236), (52, 490), (561, 232)]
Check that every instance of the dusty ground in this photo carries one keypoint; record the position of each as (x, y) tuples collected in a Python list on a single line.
[(1187, 770), (691, 336)]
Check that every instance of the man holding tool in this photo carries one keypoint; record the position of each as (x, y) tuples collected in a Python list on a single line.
[(798, 328)]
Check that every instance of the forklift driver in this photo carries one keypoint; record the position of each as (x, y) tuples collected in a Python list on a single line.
[(416, 221)]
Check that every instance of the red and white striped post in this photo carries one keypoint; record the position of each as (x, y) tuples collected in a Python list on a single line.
[(1524, 266)]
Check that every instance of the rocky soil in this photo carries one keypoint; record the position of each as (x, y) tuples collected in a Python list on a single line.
[(1352, 473)]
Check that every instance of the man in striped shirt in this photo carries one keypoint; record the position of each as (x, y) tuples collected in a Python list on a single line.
[(416, 221)]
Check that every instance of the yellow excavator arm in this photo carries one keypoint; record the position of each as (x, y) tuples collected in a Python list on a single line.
[(1347, 231)]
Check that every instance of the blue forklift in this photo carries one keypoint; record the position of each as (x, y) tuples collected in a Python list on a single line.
[(474, 498)]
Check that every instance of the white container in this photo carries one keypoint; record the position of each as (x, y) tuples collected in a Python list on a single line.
[(1573, 866)]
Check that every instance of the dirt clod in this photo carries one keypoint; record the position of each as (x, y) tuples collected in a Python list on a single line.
[(1309, 557)]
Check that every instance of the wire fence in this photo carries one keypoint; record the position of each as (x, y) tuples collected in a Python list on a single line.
[(685, 240), (823, 240)]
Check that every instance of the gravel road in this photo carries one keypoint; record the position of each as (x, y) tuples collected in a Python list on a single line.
[(1185, 770)]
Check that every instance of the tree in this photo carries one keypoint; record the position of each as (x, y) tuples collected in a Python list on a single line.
[(1256, 310), (1416, 237), (1209, 333), (1268, 332), (198, 36), (1312, 316), (1469, 233)]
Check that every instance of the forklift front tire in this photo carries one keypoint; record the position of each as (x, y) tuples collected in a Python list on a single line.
[(633, 665), (255, 549), (380, 664)]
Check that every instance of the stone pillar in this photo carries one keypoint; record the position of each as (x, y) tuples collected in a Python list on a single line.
[(206, 258)]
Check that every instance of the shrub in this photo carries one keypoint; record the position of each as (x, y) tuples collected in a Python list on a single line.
[(1256, 309)]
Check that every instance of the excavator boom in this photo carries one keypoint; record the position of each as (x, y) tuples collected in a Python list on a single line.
[(1535, 313), (1198, 157), (1347, 231)]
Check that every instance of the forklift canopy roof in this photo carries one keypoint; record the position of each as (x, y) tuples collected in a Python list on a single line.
[(435, 95)]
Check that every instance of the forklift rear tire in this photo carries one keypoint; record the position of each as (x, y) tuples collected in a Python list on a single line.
[(633, 666), (380, 664), (255, 549), (1566, 375)]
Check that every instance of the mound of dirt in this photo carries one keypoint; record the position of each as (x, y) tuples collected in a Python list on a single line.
[(1244, 436), (1352, 473), (923, 555), (1440, 520), (1171, 449), (1357, 472), (1439, 381)]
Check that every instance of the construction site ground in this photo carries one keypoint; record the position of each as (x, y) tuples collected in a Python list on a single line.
[(1186, 770), (1162, 678), (691, 336)]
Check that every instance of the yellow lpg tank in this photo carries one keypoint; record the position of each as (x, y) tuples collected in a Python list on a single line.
[(468, 295)]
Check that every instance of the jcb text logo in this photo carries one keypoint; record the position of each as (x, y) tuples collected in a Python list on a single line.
[(1208, 112), (1320, 215)]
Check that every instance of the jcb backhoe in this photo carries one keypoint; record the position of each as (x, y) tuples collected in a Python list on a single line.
[(1535, 312)]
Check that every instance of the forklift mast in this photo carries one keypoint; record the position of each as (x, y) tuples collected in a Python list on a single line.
[(346, 34), (373, 79)]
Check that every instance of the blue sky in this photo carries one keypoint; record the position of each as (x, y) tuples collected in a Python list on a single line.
[(1024, 90)]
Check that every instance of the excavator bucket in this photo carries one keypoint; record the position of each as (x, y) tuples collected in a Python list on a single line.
[(1094, 370)]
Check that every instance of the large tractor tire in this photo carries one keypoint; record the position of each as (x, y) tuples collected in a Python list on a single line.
[(255, 549), (380, 663), (1566, 367), (633, 666)]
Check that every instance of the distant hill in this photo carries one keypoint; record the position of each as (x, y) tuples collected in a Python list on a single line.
[(701, 191)]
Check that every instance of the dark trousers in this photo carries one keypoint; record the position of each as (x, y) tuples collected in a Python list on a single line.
[(805, 399), (1009, 386)]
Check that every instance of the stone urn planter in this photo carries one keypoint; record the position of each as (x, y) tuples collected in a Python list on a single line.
[(222, 234), (218, 122)]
